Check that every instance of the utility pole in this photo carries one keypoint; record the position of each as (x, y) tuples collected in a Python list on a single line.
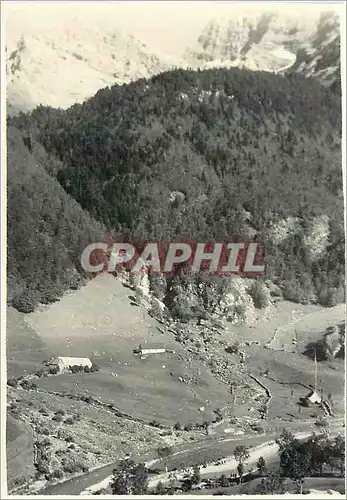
[(315, 370)]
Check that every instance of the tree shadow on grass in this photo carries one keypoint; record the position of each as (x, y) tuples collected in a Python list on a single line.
[(315, 349), (320, 349)]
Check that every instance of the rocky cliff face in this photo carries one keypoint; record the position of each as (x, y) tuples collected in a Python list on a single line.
[(259, 42), (233, 299), (320, 56), (70, 63), (272, 42)]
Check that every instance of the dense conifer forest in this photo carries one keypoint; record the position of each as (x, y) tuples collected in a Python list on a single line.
[(46, 229), (193, 155)]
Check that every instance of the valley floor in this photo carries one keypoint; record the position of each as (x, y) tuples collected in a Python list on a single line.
[(123, 415)]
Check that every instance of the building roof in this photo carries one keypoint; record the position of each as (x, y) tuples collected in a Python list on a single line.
[(74, 361), (313, 396), (153, 349)]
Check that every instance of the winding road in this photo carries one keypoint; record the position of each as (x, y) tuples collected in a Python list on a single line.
[(224, 446)]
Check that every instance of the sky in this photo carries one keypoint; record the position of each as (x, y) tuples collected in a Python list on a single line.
[(171, 24)]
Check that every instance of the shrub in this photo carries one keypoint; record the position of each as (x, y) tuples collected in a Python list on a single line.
[(57, 474), (43, 412), (77, 56), (71, 466), (329, 297), (158, 286), (218, 412), (27, 301), (45, 442), (260, 295), (76, 369), (292, 291), (12, 382), (69, 439), (233, 349), (42, 466), (154, 423), (87, 399), (57, 418), (69, 421), (53, 370), (94, 368), (28, 385), (44, 431), (188, 427), (256, 428)]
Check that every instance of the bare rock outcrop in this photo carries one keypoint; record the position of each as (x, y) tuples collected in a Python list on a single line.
[(334, 342)]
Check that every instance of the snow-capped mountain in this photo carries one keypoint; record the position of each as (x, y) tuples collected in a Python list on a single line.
[(271, 42), (66, 66), (68, 62), (320, 56)]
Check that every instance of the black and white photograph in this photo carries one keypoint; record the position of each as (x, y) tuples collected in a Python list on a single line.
[(173, 279)]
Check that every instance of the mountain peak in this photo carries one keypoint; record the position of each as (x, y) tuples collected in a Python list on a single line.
[(62, 67), (320, 56), (65, 63)]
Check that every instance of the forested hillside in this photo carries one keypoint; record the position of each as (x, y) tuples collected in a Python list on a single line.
[(218, 154), (46, 228)]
